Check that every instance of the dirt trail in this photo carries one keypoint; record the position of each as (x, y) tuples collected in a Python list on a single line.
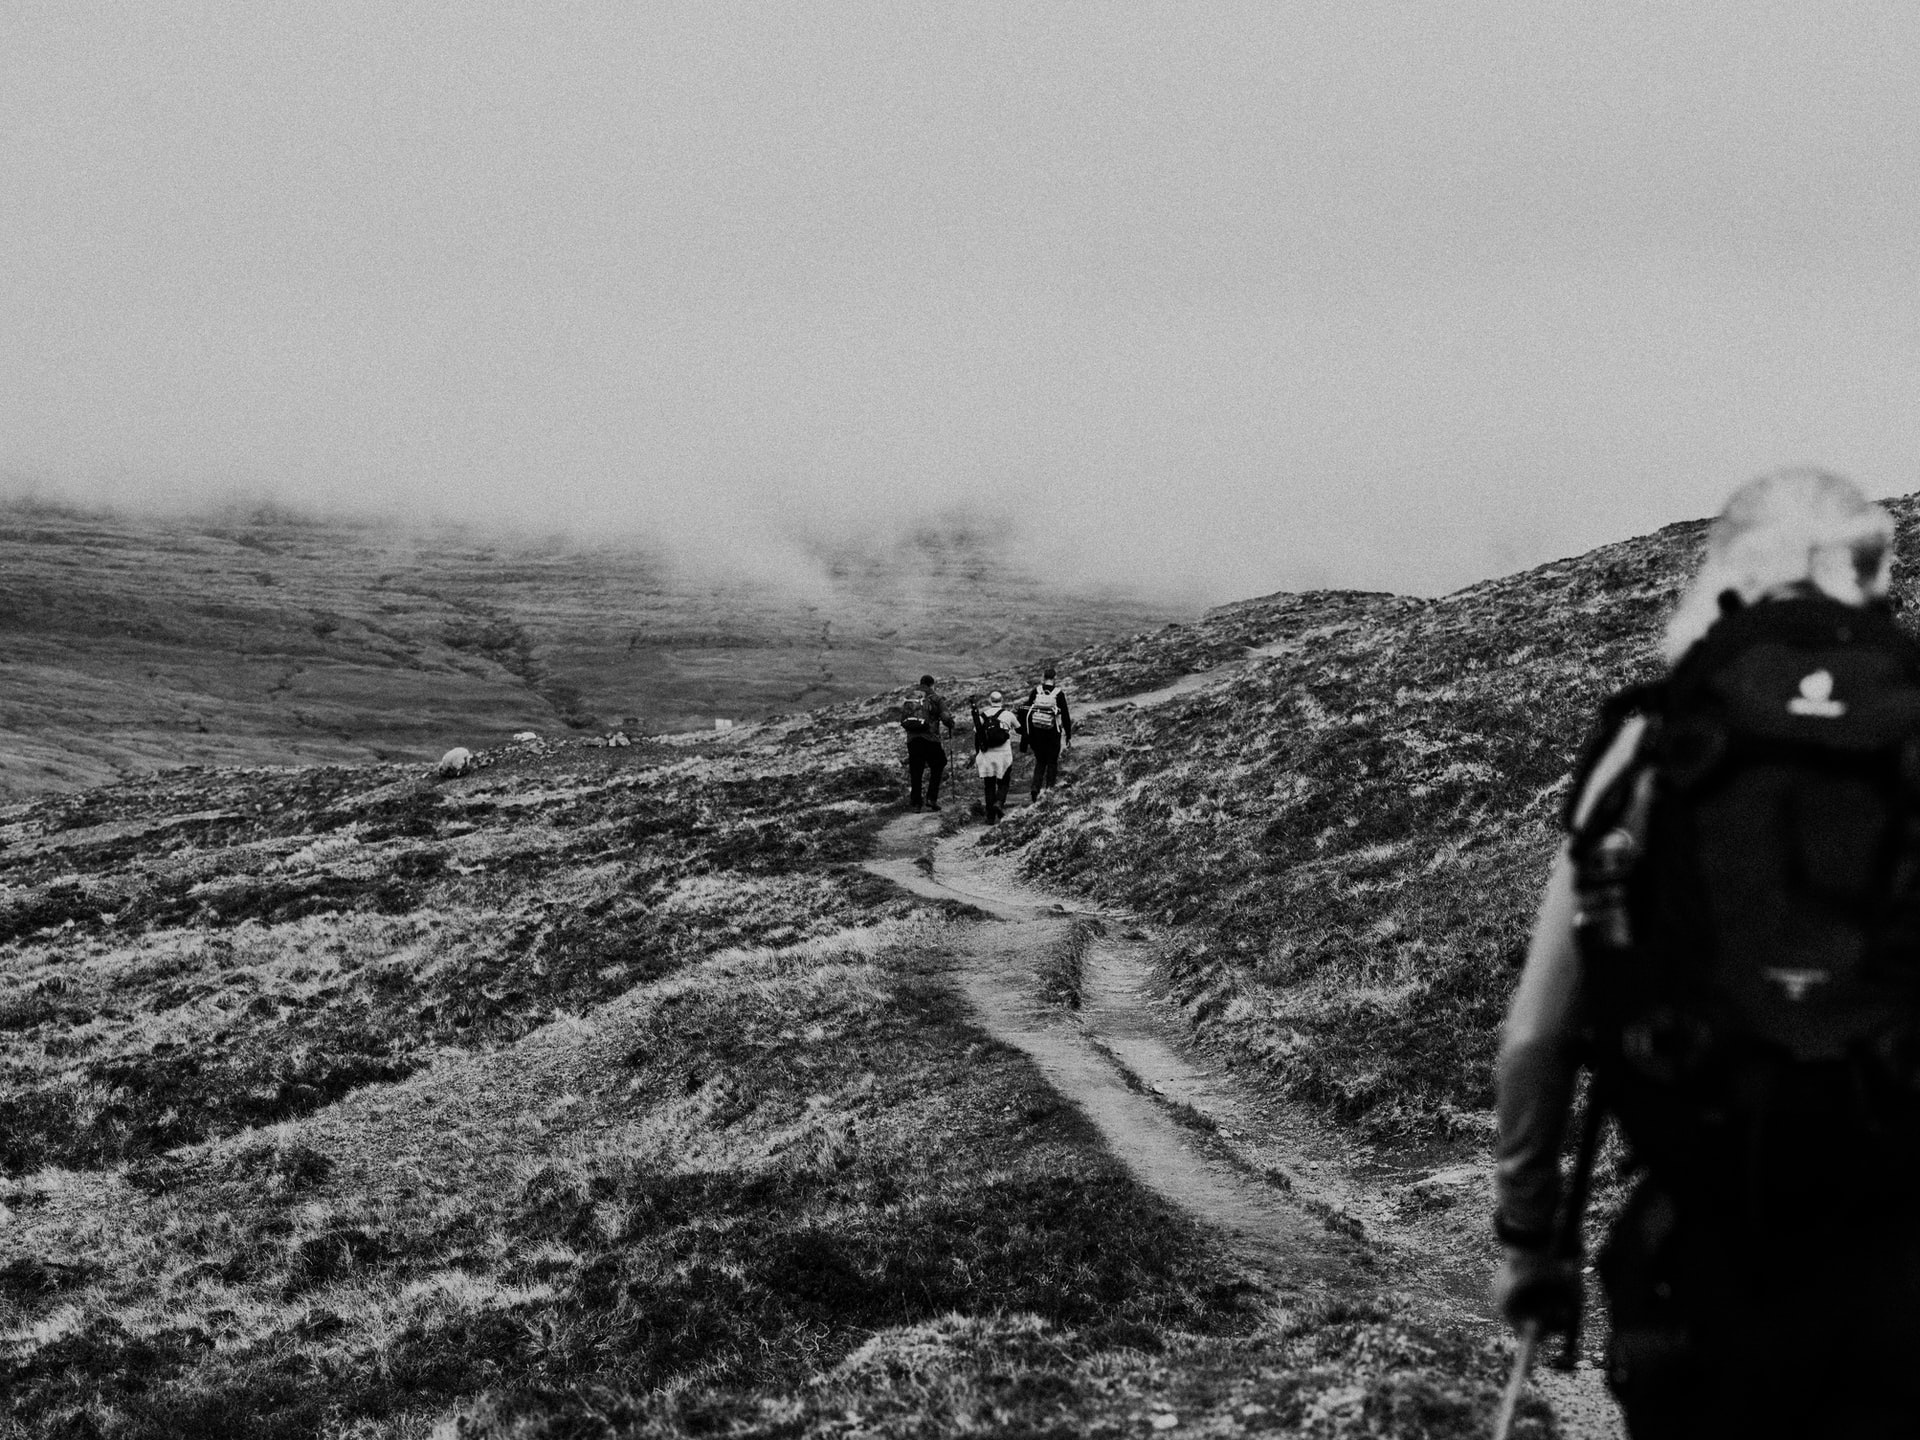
[(997, 972), (1185, 685), (1293, 1203)]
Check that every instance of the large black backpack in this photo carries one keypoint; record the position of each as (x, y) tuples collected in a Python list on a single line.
[(916, 714), (990, 731), (1749, 917)]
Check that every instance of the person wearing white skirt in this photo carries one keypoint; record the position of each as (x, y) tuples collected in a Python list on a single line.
[(995, 726)]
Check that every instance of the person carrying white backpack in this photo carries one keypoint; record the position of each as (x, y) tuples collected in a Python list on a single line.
[(1047, 727)]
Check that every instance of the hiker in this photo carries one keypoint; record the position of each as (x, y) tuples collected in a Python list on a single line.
[(1730, 943), (1046, 726), (922, 715), (994, 727)]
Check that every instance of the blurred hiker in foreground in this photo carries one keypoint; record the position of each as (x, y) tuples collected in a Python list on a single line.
[(921, 716), (994, 726), (1730, 943), (1046, 727)]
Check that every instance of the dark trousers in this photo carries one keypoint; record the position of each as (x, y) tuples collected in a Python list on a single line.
[(1045, 745), (997, 795), (1717, 1335), (925, 755)]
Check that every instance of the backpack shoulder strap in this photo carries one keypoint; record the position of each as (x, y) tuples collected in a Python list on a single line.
[(1646, 700)]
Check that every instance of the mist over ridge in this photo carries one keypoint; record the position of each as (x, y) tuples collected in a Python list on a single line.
[(254, 633)]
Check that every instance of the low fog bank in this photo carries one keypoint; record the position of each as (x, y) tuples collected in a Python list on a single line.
[(802, 552), (245, 631)]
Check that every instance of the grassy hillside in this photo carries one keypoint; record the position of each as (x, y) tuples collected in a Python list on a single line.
[(596, 1093), (1351, 832), (259, 637)]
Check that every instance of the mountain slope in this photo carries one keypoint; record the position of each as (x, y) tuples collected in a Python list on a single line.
[(1352, 827)]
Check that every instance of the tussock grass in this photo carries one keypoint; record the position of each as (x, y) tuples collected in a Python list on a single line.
[(779, 1184), (1317, 1367), (317, 932), (734, 1177), (1062, 971)]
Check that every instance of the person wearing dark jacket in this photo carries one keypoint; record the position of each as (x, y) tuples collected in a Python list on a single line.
[(922, 716), (1803, 1323), (1048, 727)]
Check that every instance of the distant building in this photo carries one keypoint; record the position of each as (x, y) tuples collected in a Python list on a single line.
[(723, 724)]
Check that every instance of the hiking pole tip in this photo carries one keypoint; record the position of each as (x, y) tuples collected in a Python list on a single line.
[(1517, 1381)]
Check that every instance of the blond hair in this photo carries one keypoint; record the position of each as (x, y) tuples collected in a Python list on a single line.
[(1792, 529)]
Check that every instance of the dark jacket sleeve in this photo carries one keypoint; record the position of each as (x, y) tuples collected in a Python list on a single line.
[(1066, 720), (1534, 1072), (1539, 1057)]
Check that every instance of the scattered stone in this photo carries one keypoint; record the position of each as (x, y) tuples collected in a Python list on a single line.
[(525, 737)]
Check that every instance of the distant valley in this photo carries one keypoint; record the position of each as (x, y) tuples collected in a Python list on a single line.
[(130, 643)]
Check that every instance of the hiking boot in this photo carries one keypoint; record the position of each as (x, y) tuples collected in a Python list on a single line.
[(916, 807), (931, 805)]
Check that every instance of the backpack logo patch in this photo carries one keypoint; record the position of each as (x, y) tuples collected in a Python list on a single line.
[(1816, 698), (1797, 983)]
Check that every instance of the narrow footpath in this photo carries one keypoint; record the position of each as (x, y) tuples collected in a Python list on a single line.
[(1288, 1197), (997, 969)]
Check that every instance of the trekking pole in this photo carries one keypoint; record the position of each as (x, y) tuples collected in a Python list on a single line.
[(1517, 1381), (1570, 1243)]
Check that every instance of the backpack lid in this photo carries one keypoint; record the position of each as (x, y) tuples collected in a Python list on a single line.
[(1804, 671)]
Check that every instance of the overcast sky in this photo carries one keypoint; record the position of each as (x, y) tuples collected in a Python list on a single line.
[(1221, 297)]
